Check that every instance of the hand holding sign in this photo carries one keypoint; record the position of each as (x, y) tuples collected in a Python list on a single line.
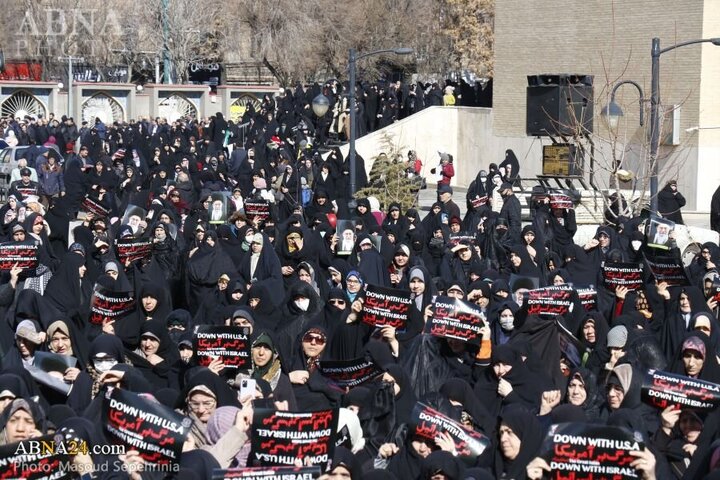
[(644, 463), (537, 469), (669, 417), (662, 290)]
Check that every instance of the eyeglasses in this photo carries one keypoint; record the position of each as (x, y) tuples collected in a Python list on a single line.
[(198, 405), (352, 280), (337, 302), (314, 339)]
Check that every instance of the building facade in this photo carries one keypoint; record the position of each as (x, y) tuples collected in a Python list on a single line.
[(612, 42)]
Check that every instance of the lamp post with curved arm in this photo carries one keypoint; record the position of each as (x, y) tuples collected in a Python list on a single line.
[(654, 105)]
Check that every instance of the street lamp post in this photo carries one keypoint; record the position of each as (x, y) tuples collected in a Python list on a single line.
[(70, 59), (320, 106), (353, 57), (655, 104)]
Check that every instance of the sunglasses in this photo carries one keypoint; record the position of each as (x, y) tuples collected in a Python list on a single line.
[(314, 339), (337, 302)]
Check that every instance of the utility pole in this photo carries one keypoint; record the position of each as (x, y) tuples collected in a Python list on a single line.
[(70, 59), (167, 67)]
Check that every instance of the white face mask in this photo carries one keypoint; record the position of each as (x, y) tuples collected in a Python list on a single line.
[(104, 365), (248, 238), (302, 303), (507, 322), (636, 244)]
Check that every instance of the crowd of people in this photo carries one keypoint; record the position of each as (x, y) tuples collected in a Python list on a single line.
[(298, 284)]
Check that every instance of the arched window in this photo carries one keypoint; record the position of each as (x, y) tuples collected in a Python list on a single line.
[(22, 103), (238, 107), (104, 107), (176, 106)]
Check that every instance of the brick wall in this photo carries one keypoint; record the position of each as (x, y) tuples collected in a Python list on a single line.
[(610, 40)]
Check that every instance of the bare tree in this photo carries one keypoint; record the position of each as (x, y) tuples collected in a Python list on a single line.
[(49, 30), (190, 32), (469, 24)]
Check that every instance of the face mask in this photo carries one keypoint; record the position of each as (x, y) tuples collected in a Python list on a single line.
[(246, 243), (507, 323), (104, 365), (636, 244), (302, 303)]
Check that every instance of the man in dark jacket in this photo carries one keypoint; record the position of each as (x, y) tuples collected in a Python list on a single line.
[(670, 201), (511, 211), (445, 193), (24, 187)]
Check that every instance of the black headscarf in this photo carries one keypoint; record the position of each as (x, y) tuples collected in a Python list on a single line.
[(459, 390), (443, 462), (710, 371), (28, 406), (527, 388), (527, 428), (405, 400), (203, 379), (65, 290)]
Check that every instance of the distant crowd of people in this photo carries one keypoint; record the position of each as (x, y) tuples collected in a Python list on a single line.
[(250, 227)]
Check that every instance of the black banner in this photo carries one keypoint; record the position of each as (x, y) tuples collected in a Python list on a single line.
[(267, 473), (22, 254), (570, 347), (154, 430), (550, 301), (386, 306), (93, 206), (479, 201), (257, 208), (349, 373), (454, 318), (26, 191), (108, 305), (455, 239), (662, 389), (281, 438), (561, 201), (428, 423), (229, 344), (49, 369), (628, 275), (587, 451), (25, 461), (668, 270), (135, 249), (588, 297)]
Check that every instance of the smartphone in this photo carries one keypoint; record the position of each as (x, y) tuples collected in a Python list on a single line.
[(247, 387)]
